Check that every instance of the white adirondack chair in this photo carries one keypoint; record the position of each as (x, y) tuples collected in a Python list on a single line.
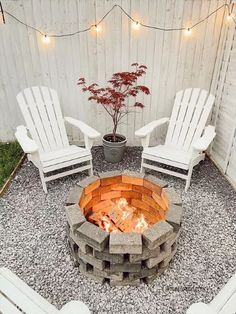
[(16, 297), (49, 148), (223, 303), (184, 145)]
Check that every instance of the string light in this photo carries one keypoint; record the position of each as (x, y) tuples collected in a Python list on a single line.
[(136, 24), (188, 31), (230, 17), (46, 39), (98, 28)]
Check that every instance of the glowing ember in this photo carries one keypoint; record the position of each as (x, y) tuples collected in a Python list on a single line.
[(122, 217)]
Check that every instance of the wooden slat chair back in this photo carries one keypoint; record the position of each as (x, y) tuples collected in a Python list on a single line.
[(48, 147), (185, 143), (189, 117), (42, 113)]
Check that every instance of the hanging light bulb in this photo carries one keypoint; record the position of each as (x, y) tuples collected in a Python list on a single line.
[(188, 31), (230, 17), (46, 39), (98, 28), (136, 25)]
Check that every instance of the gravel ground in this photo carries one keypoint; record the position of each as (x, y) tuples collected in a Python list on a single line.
[(33, 243)]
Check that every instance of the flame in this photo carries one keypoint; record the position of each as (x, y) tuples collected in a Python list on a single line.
[(124, 206), (141, 224), (126, 220), (122, 202), (106, 223)]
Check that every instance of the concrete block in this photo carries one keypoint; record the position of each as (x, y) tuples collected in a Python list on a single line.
[(93, 235), (147, 253), (150, 279), (109, 174), (173, 196), (107, 274), (106, 256), (92, 276), (174, 216), (74, 216), (126, 267), (157, 234), (73, 252), (123, 243), (90, 259), (134, 174), (145, 272), (81, 244), (167, 260), (125, 282), (74, 195), (154, 261), (171, 240)]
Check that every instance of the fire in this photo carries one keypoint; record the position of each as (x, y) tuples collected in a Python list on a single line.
[(141, 224), (121, 217), (106, 223), (122, 202)]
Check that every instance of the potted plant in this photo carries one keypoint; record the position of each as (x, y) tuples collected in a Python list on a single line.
[(113, 98)]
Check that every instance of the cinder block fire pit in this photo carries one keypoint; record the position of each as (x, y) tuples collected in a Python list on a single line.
[(123, 227)]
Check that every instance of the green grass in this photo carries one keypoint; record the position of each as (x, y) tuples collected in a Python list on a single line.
[(10, 154)]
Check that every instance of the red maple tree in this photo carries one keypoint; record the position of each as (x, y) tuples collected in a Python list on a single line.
[(113, 98)]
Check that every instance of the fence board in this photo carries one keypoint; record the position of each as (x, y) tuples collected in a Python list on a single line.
[(174, 61)]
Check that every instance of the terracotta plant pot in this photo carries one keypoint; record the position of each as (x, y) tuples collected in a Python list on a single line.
[(114, 151)]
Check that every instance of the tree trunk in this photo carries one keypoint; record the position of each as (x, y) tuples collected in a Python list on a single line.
[(114, 132)]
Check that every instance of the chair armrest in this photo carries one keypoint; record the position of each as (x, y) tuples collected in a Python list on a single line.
[(84, 128), (203, 142), (148, 128), (200, 308), (28, 145), (75, 307)]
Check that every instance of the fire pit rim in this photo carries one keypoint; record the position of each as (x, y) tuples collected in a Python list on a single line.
[(82, 232), (173, 197)]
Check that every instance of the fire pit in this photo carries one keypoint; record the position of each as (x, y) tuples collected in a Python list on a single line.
[(123, 227)]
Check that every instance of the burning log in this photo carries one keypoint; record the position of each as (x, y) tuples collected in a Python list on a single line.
[(118, 215)]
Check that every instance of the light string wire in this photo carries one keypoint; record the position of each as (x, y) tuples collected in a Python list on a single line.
[(228, 5), (2, 13)]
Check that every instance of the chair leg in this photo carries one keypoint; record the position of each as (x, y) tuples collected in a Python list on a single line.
[(43, 181), (91, 169), (190, 171)]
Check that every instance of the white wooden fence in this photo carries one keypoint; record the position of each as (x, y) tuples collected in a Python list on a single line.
[(223, 150), (174, 61), (206, 59)]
